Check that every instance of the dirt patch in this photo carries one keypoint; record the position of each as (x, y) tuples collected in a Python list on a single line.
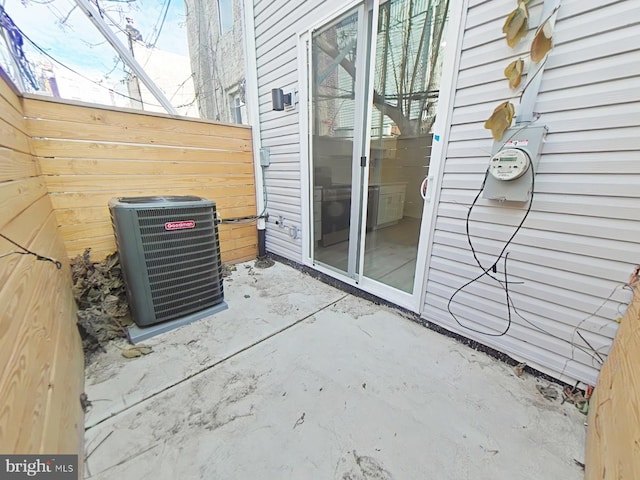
[(356, 307), (227, 270), (103, 310), (212, 407), (367, 468), (264, 262)]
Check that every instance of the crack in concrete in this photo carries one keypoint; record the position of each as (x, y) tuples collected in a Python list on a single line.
[(219, 362)]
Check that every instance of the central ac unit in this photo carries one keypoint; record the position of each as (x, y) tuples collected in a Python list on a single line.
[(170, 257)]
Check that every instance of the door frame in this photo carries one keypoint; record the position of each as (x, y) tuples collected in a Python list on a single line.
[(442, 127)]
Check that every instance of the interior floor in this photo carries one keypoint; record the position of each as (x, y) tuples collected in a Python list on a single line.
[(390, 254)]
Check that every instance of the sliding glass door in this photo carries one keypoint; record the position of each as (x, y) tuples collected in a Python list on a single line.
[(337, 106), (374, 81)]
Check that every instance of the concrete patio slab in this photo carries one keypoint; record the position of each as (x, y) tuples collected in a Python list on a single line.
[(350, 390), (261, 303)]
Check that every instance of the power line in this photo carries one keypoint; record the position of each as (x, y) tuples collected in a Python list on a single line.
[(45, 53), (159, 30), (62, 21), (152, 45)]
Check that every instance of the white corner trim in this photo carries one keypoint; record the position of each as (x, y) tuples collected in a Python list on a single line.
[(253, 106), (442, 128)]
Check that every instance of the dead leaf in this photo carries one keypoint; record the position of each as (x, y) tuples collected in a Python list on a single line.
[(135, 352), (516, 24), (514, 73), (548, 392), (500, 120), (572, 395), (634, 278), (542, 44)]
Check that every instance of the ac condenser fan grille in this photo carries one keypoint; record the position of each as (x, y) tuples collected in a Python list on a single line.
[(179, 287), (171, 256)]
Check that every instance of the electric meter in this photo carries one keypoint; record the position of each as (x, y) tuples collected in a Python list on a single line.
[(509, 164)]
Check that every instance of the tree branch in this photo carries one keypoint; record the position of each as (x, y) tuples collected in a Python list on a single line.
[(439, 20), (403, 63), (392, 111)]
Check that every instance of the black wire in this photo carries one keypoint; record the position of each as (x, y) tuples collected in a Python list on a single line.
[(29, 252), (164, 17), (530, 80), (252, 218), (589, 345), (505, 283), (249, 219), (493, 267), (576, 329), (44, 52)]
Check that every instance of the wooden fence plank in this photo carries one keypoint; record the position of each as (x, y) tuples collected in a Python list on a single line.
[(244, 241), (93, 214), (133, 135), (15, 165), (12, 116), (16, 196), (117, 151), (22, 232), (85, 231), (239, 255), (99, 167), (36, 304), (111, 183), (100, 199), (231, 231), (104, 228), (12, 138), (26, 347), (105, 244), (64, 429), (95, 115), (613, 437), (89, 155)]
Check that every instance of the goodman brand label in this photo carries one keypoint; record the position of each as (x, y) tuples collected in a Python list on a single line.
[(50, 467), (180, 225)]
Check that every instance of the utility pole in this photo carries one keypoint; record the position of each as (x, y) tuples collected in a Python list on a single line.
[(125, 55), (133, 84)]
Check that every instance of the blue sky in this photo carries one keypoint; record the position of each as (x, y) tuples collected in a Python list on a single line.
[(67, 35)]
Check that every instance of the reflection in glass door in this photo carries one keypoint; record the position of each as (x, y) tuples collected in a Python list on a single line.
[(406, 80), (335, 120), (370, 138)]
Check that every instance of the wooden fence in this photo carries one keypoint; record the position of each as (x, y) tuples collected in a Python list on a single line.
[(60, 163), (41, 361), (613, 436), (89, 154)]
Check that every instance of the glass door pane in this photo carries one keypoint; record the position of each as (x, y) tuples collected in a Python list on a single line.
[(406, 80), (334, 106)]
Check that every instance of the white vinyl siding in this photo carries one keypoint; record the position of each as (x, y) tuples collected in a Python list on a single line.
[(581, 237), (580, 240), (277, 26)]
